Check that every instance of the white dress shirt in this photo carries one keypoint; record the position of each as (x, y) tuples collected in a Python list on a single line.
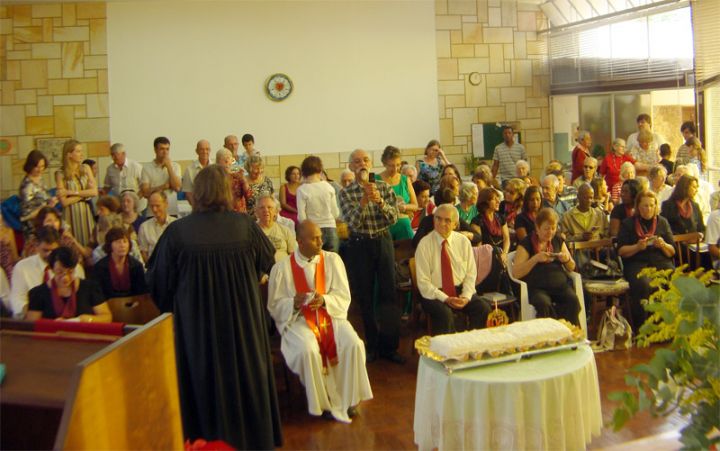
[(150, 232), (27, 274), (427, 265)]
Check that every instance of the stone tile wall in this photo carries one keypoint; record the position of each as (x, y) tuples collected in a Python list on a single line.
[(53, 82)]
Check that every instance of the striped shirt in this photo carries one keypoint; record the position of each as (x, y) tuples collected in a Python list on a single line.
[(507, 157), (371, 219)]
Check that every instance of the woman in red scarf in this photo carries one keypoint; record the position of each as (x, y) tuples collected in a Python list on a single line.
[(681, 211), (542, 260), (644, 240), (625, 209), (525, 221), (119, 274), (65, 297), (494, 229)]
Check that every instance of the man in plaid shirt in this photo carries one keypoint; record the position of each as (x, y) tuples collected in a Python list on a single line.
[(369, 208)]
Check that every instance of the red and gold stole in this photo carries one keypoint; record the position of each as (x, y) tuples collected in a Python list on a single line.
[(319, 321)]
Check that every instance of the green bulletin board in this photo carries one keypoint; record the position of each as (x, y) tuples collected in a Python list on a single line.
[(486, 136)]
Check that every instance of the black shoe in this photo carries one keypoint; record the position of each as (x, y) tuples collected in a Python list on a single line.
[(370, 356), (352, 411), (394, 357), (326, 415)]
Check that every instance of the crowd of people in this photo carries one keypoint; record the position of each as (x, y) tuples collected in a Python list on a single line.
[(86, 242)]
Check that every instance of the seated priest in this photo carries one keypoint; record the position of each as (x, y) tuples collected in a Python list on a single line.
[(66, 297), (446, 271), (308, 297)]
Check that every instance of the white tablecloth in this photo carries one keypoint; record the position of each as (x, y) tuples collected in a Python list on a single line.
[(550, 401)]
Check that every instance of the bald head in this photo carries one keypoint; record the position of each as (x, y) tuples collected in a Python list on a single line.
[(309, 238)]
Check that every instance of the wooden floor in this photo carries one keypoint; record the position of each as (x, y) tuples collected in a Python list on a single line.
[(386, 422)]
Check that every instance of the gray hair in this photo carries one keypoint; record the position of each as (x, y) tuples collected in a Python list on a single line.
[(552, 179), (592, 160), (450, 208), (263, 197), (346, 171), (625, 167), (657, 170), (522, 163), (116, 148), (132, 195), (221, 154), (467, 191), (618, 142), (582, 134), (252, 161), (693, 170), (643, 182)]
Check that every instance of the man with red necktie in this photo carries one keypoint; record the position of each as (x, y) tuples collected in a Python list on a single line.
[(446, 271)]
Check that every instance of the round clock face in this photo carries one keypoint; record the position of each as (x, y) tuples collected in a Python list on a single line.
[(279, 87)]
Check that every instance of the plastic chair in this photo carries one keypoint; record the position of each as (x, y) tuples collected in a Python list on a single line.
[(527, 311)]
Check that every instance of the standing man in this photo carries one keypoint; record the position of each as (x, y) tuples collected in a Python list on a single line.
[(689, 132), (507, 153), (232, 144), (248, 142), (162, 174), (308, 297), (202, 149), (644, 122), (123, 174), (369, 209), (446, 274)]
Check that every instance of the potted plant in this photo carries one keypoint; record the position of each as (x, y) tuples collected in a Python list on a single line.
[(684, 375)]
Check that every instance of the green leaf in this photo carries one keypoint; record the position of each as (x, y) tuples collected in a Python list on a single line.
[(686, 327), (620, 417)]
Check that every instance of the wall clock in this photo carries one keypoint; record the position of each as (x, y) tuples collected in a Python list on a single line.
[(475, 78), (278, 87)]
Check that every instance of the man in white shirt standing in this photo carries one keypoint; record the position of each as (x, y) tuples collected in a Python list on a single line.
[(150, 230), (202, 149), (308, 297), (446, 271), (644, 121), (34, 270), (162, 174), (123, 174)]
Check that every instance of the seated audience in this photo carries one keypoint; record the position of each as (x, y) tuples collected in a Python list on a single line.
[(602, 196), (584, 222), (627, 172), (33, 194), (657, 178), (404, 193), (34, 270), (308, 292), (712, 237), (151, 229), (425, 204), (347, 177), (493, 228), (317, 202), (130, 210), (688, 131), (48, 216), (645, 240), (257, 180), (482, 177), (626, 209), (522, 171), (450, 169), (288, 194), (238, 183), (697, 157), (104, 224), (282, 239), (427, 223), (541, 261), (612, 164), (550, 187), (107, 205), (446, 274), (66, 297), (449, 182), (525, 221), (589, 172), (565, 192), (119, 274), (410, 172), (580, 154), (467, 208), (702, 197), (681, 211), (511, 206), (665, 154)]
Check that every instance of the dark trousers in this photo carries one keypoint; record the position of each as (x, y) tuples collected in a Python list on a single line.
[(560, 303), (371, 261), (639, 289), (443, 316)]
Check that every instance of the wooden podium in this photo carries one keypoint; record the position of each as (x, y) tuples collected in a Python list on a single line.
[(85, 393)]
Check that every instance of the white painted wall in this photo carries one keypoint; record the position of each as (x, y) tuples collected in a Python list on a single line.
[(365, 74)]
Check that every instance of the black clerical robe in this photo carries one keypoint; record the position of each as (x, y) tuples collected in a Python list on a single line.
[(205, 269)]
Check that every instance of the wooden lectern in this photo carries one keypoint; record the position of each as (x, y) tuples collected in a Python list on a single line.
[(83, 393)]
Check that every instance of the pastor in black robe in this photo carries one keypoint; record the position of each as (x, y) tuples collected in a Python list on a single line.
[(205, 270)]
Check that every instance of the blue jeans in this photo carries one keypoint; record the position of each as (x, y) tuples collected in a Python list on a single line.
[(331, 242)]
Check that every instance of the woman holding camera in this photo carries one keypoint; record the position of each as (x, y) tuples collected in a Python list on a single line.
[(644, 240)]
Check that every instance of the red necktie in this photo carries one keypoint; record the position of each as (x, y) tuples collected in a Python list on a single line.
[(448, 286)]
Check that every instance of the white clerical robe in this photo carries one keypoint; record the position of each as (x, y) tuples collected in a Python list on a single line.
[(346, 383)]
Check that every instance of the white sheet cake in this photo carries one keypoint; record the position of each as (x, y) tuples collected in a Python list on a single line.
[(495, 341)]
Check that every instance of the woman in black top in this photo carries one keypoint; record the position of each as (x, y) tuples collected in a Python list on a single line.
[(118, 273), (492, 225), (541, 261), (645, 240), (626, 209), (525, 221), (65, 297), (681, 211)]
